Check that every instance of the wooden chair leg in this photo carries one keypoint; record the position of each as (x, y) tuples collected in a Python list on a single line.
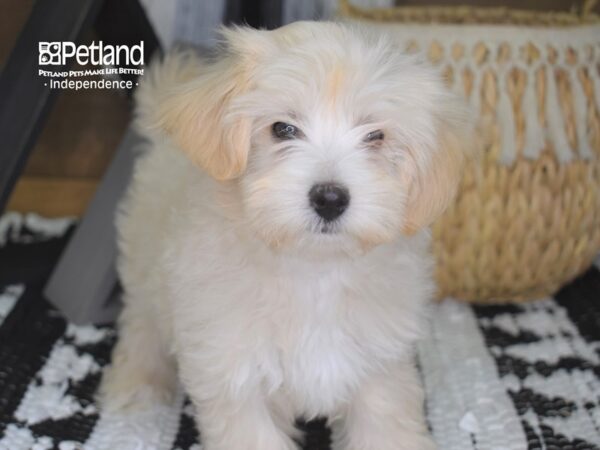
[(84, 283)]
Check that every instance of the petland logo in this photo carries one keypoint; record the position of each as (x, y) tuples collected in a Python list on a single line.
[(97, 54), (109, 58)]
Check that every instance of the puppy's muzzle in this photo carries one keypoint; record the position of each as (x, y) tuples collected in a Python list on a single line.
[(329, 200)]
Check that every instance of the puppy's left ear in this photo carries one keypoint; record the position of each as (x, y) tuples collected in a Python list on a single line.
[(434, 187)]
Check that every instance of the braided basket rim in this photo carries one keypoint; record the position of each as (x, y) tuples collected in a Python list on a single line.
[(471, 15)]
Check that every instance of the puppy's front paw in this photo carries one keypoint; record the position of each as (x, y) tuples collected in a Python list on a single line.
[(240, 426), (398, 441), (250, 443), (126, 391)]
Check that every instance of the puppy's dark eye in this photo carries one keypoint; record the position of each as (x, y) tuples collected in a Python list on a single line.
[(374, 136), (284, 131)]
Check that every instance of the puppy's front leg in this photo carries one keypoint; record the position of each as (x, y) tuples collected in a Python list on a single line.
[(385, 414), (240, 420)]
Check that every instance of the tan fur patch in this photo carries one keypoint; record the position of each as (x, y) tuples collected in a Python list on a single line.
[(432, 191), (335, 85), (195, 118), (195, 112)]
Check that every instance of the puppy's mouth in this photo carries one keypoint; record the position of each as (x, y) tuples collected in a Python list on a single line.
[(329, 228)]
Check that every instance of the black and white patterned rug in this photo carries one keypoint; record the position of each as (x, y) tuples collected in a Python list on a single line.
[(497, 377)]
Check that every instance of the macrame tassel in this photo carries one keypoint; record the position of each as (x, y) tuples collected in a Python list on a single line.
[(596, 79), (556, 124), (534, 133), (457, 86), (475, 100), (506, 119), (583, 141)]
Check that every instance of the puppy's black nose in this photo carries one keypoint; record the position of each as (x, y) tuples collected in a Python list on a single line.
[(329, 200)]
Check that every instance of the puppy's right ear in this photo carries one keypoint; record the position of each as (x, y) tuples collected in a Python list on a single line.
[(434, 187), (195, 104)]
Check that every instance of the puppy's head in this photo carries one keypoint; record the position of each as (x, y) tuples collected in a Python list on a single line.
[(328, 136)]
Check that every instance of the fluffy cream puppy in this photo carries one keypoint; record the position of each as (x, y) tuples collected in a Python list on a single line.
[(274, 245)]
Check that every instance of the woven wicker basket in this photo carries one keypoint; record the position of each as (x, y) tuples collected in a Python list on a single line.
[(527, 219)]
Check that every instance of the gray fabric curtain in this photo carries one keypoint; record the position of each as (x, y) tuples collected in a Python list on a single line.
[(195, 21)]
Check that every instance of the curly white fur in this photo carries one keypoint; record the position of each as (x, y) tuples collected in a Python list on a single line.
[(231, 283)]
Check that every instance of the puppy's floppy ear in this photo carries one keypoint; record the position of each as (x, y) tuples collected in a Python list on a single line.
[(435, 185), (197, 112)]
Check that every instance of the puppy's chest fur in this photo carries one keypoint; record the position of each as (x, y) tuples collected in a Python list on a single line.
[(309, 333), (321, 349), (331, 330)]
